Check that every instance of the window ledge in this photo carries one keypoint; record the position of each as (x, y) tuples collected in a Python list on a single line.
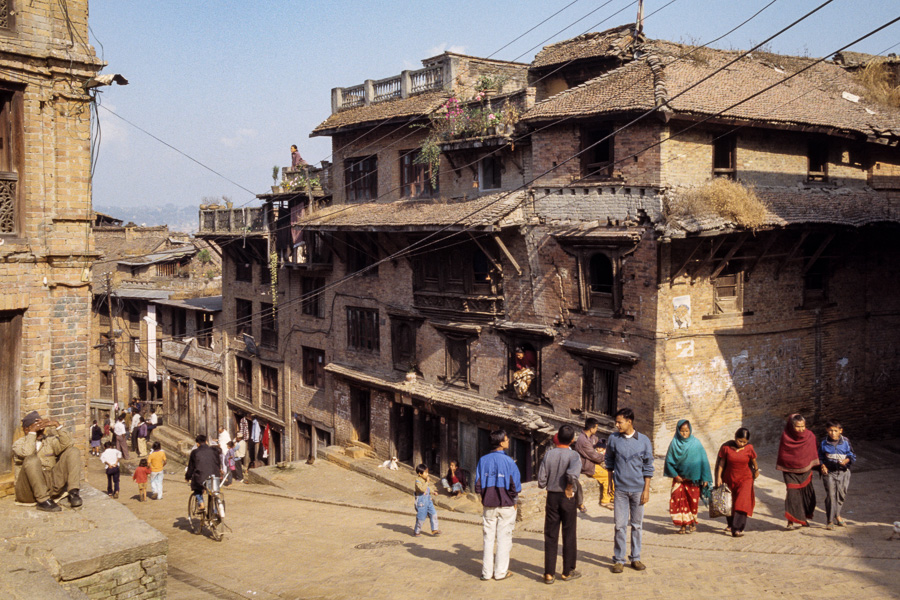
[(731, 315), (816, 306)]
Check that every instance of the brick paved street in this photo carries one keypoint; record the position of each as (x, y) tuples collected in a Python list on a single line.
[(282, 547)]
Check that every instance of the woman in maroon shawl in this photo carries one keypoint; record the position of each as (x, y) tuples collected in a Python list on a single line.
[(797, 455)]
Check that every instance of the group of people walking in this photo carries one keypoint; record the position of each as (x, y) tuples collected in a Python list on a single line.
[(623, 468)]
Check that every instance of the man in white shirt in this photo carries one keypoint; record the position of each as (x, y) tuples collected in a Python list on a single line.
[(121, 436), (48, 464), (110, 459), (224, 438)]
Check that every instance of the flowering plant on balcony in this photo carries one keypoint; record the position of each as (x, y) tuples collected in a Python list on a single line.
[(458, 120), (300, 182)]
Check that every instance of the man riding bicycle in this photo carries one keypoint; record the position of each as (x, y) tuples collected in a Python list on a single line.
[(203, 462)]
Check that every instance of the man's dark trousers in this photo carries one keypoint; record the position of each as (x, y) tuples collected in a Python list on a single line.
[(560, 510)]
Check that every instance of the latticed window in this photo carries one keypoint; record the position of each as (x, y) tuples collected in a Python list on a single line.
[(7, 14), (269, 387), (11, 152)]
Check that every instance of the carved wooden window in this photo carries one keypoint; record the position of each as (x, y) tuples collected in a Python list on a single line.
[(361, 178), (106, 384), (244, 376), (269, 326), (597, 158), (602, 281), (415, 177), (600, 389), (724, 150), (311, 303), (728, 288), (523, 371), (457, 360), (269, 387), (243, 316), (817, 156), (362, 329), (7, 15), (313, 367), (11, 160), (600, 285)]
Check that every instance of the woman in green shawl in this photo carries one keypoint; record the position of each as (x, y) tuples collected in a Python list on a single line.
[(688, 466)]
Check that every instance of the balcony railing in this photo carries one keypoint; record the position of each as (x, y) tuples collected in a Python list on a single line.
[(237, 221), (408, 83), (464, 307)]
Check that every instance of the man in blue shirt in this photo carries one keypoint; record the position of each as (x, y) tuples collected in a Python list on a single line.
[(497, 480), (629, 457)]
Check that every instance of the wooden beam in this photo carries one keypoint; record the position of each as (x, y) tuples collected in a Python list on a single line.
[(490, 256), (507, 253), (712, 254), (818, 252), (766, 247), (734, 248), (690, 257), (791, 254)]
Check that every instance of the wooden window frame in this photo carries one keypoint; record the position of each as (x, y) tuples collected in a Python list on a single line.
[(535, 390), (589, 300), (311, 304), (313, 368), (362, 254), (587, 391), (415, 178), (268, 387), (243, 375), (12, 160), (268, 326), (496, 182), (243, 316), (363, 329), (724, 156), (204, 323), (179, 323), (404, 359), (463, 378), (817, 161), (361, 178), (243, 271), (731, 278), (106, 384), (599, 162), (10, 17)]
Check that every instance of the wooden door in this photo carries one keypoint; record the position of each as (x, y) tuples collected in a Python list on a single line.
[(303, 441), (10, 374), (360, 413)]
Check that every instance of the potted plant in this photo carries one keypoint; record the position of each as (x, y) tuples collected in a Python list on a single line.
[(275, 187), (412, 373)]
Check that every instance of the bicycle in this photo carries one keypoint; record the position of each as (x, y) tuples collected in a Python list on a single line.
[(213, 514)]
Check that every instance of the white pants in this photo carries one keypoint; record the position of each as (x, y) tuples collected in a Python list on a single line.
[(156, 483), (498, 524)]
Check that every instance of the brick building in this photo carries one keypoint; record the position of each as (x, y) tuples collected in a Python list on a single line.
[(151, 275), (723, 258), (46, 246)]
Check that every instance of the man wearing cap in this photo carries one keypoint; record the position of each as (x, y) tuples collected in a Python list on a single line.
[(49, 465)]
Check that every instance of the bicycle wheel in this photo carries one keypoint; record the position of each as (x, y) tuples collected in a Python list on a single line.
[(195, 519), (216, 523)]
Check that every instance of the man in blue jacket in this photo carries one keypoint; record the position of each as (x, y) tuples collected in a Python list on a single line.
[(629, 457), (497, 480)]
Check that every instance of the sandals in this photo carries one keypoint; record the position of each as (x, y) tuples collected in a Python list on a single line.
[(692, 528), (682, 531)]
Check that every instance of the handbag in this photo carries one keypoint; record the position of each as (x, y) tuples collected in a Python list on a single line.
[(720, 502)]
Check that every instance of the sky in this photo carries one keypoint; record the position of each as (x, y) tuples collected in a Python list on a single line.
[(233, 84)]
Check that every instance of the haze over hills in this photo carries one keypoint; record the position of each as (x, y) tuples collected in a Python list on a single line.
[(182, 218)]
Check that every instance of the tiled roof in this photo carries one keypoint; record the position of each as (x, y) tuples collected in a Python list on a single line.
[(419, 105), (842, 206), (501, 208), (821, 96), (605, 44)]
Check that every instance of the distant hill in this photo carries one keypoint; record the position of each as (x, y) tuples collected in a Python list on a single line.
[(178, 217)]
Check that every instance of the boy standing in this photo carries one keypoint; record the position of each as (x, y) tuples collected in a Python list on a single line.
[(424, 504), (157, 460), (629, 455), (836, 456)]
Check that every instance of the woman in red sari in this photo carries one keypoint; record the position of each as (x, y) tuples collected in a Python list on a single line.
[(736, 467), (797, 455)]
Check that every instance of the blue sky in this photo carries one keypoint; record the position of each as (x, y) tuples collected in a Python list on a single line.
[(234, 84)]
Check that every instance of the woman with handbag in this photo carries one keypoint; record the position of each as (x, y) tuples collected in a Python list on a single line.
[(688, 466), (736, 467)]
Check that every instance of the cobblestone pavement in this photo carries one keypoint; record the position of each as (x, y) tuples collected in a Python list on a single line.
[(328, 546)]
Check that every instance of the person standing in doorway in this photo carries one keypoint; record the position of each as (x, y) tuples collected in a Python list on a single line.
[(559, 475), (157, 460), (255, 439), (629, 456), (498, 482)]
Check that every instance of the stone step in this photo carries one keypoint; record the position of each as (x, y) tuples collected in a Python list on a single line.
[(7, 485)]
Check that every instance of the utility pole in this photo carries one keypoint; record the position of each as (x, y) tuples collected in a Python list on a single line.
[(112, 345)]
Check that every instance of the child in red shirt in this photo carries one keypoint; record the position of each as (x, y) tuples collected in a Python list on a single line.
[(140, 476)]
